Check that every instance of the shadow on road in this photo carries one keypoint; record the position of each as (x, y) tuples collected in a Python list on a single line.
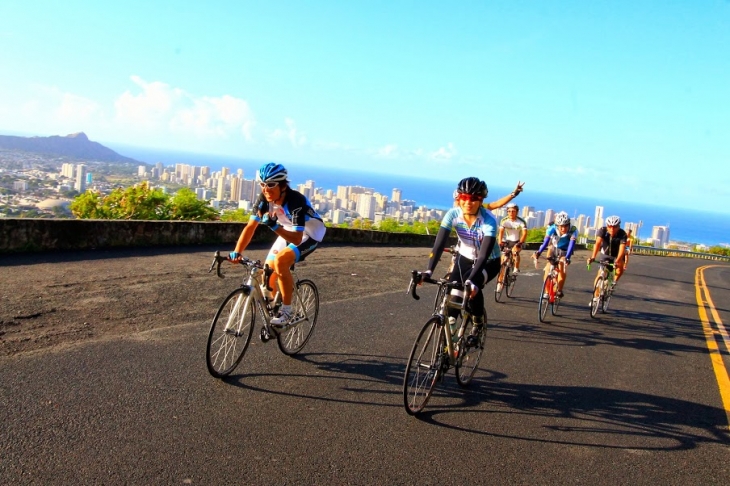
[(607, 418)]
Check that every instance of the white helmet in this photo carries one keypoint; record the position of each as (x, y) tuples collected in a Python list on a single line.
[(613, 221), (562, 218)]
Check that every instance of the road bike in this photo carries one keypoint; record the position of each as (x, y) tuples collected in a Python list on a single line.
[(507, 276), (603, 288), (233, 324), (442, 343), (549, 296)]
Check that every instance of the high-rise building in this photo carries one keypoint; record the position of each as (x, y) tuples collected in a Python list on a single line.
[(396, 195), (598, 218), (236, 188), (661, 235), (67, 170), (221, 187), (549, 217), (80, 185), (366, 206), (526, 210)]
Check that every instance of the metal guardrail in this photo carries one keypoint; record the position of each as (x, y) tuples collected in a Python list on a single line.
[(650, 250)]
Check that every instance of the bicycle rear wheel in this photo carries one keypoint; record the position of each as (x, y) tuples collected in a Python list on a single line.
[(305, 308), (545, 298), (502, 277), (597, 297), (469, 356), (424, 366), (230, 333)]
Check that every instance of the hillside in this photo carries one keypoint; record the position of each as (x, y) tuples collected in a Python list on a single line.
[(77, 146)]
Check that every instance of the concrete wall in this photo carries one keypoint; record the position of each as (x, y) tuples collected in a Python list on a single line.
[(30, 235)]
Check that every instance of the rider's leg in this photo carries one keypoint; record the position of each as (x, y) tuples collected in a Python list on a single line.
[(282, 268), (516, 253), (619, 271), (561, 274)]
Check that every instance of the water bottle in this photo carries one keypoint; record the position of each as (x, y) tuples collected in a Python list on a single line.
[(452, 326)]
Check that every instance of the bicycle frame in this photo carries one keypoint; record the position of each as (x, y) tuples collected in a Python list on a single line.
[(606, 278), (253, 279), (444, 302)]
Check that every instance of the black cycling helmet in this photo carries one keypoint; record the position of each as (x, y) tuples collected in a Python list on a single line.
[(472, 185)]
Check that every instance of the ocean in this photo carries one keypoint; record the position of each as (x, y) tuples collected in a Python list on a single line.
[(694, 225)]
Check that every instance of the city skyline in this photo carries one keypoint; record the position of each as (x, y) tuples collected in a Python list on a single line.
[(617, 95)]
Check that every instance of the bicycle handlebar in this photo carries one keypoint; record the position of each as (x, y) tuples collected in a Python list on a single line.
[(417, 278), (218, 259)]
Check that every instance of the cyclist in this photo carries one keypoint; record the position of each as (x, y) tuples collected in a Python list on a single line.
[(478, 261), (611, 241), (561, 237), (299, 229), (512, 235)]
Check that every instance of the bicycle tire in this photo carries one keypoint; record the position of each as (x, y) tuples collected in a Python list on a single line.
[(544, 299), (607, 298), (597, 297), (469, 356), (502, 276), (511, 280), (424, 366), (305, 305), (230, 333), (555, 299)]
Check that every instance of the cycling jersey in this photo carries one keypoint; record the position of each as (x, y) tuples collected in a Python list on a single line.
[(609, 245), (294, 214), (512, 228), (470, 237), (564, 243)]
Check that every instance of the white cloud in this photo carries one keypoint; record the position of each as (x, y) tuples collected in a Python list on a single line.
[(158, 107), (388, 151), (291, 133), (444, 153), (53, 111)]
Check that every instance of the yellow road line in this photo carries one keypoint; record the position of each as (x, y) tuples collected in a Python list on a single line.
[(718, 365)]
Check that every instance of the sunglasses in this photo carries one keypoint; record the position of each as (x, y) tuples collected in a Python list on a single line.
[(469, 197), (269, 185)]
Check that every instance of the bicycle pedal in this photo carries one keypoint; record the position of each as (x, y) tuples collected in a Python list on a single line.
[(265, 336)]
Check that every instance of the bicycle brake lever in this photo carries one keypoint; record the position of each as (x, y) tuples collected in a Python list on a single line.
[(412, 286)]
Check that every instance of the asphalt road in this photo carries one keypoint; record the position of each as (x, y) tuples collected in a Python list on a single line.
[(630, 398)]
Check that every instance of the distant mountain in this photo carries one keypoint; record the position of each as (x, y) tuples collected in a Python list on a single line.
[(76, 145)]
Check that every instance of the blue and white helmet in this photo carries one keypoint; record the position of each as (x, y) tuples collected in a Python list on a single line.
[(271, 172)]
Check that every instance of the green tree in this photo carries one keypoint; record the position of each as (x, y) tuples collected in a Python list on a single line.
[(140, 202), (186, 206), (235, 215), (536, 235)]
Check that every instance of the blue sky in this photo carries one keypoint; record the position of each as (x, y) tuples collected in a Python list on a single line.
[(629, 99)]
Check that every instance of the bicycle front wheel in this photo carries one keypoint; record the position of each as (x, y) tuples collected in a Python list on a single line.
[(597, 297), (230, 333), (424, 366), (545, 298), (469, 356), (606, 298), (501, 282), (556, 300), (510, 284), (305, 308)]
